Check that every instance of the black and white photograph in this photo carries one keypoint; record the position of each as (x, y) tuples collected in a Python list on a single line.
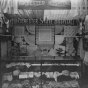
[(43, 43)]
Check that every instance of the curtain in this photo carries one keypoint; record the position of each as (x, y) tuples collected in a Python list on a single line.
[(9, 6), (78, 8)]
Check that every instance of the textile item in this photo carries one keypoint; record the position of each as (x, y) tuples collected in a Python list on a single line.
[(69, 31), (19, 30), (26, 84), (81, 51), (16, 72), (8, 77), (37, 74), (31, 75), (30, 39), (9, 6), (31, 29), (5, 85), (23, 75), (70, 50), (65, 72), (60, 50), (65, 84), (53, 52), (59, 39), (86, 57), (74, 75), (18, 39), (58, 30), (75, 44), (60, 14), (44, 35)]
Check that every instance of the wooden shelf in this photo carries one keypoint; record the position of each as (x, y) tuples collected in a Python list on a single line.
[(34, 59)]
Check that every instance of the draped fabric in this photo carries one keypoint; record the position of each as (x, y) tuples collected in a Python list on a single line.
[(9, 6), (78, 8)]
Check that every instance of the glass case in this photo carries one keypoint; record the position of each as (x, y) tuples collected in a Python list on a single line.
[(41, 74)]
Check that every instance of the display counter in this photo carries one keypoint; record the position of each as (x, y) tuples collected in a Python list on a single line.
[(62, 73)]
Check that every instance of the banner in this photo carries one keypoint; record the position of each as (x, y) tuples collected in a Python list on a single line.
[(43, 22), (44, 4)]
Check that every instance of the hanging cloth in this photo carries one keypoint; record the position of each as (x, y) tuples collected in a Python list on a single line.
[(86, 57), (81, 50), (9, 6)]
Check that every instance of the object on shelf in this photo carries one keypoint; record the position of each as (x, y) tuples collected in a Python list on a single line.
[(37, 86), (74, 75), (30, 39), (31, 29), (37, 74), (5, 85), (16, 72), (28, 65), (50, 84), (65, 72), (7, 77), (15, 84), (26, 84), (59, 39), (65, 84), (18, 64), (30, 75), (86, 57), (70, 50), (23, 75)]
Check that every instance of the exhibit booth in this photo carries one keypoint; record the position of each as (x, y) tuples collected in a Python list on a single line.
[(43, 43)]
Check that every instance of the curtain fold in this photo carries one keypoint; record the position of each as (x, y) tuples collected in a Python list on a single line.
[(78, 8), (9, 6)]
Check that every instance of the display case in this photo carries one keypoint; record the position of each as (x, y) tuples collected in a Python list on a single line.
[(62, 73)]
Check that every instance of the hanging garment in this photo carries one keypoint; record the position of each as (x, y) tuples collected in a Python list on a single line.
[(86, 57), (80, 49)]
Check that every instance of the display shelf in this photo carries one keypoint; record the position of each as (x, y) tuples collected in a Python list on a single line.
[(38, 71), (41, 58)]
